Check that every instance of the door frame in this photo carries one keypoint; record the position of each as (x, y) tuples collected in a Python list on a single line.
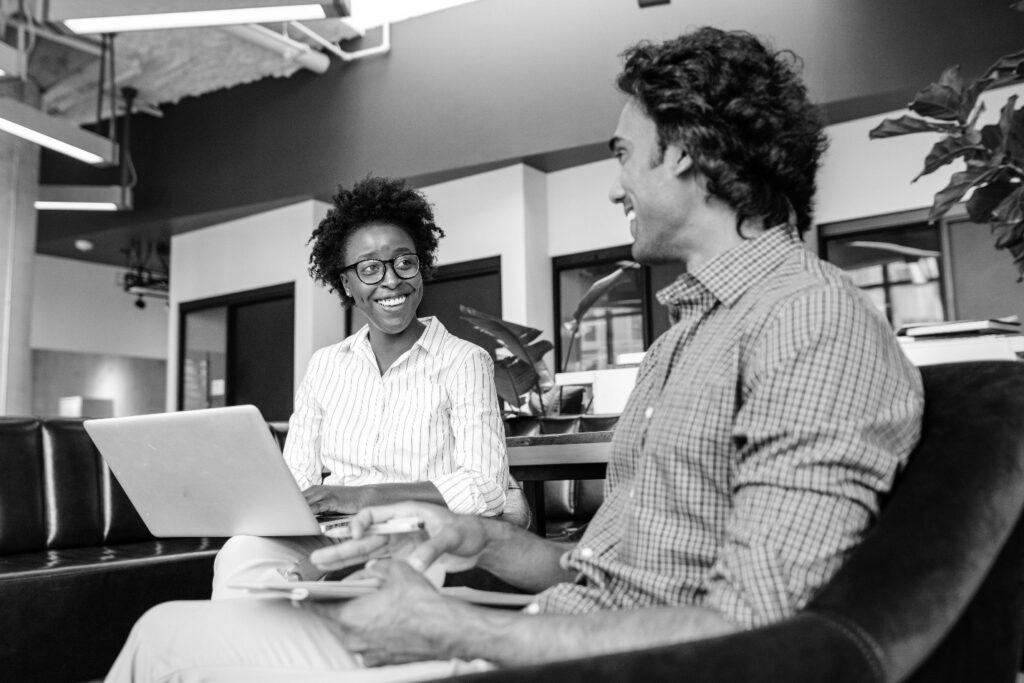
[(282, 291)]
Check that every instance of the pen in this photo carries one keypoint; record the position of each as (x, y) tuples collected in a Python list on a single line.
[(398, 525)]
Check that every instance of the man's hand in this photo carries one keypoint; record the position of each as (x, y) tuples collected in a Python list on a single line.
[(406, 620), (456, 539), (342, 499)]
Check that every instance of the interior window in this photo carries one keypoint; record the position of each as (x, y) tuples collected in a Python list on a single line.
[(900, 269)]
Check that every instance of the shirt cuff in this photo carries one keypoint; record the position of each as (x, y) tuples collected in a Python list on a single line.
[(470, 494)]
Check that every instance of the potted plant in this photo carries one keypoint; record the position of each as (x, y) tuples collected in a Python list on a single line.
[(993, 154), (522, 377)]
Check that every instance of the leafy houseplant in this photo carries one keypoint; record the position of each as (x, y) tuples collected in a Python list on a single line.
[(523, 377), (993, 154)]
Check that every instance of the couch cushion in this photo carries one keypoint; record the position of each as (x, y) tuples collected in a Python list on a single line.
[(22, 522), (71, 476)]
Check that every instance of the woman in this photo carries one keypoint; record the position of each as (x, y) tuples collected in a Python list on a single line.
[(400, 410)]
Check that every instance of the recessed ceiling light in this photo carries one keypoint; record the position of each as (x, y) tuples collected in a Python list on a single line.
[(83, 245)]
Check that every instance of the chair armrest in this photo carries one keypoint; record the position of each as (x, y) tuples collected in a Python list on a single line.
[(806, 648)]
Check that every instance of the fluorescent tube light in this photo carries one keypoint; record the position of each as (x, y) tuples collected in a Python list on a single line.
[(57, 134), (117, 16), (83, 198)]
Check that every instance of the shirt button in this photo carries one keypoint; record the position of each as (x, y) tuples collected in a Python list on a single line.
[(632, 493), (532, 608), (586, 553), (649, 412)]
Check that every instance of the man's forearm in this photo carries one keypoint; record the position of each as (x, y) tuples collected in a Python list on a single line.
[(513, 638), (521, 558)]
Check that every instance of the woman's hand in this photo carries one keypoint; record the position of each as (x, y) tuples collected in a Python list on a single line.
[(342, 499), (455, 540)]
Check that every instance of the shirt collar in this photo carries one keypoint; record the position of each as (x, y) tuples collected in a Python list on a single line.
[(431, 340), (729, 275)]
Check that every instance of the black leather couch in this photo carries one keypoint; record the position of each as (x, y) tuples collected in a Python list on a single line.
[(77, 565), (934, 593)]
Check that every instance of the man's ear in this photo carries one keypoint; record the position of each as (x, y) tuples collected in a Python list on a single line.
[(680, 160), (344, 284)]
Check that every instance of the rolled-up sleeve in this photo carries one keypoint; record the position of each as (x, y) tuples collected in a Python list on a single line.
[(301, 448), (823, 428), (477, 483)]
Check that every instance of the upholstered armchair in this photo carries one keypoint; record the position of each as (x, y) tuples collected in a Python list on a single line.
[(934, 593)]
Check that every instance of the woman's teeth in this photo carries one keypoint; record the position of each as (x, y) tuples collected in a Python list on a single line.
[(391, 302)]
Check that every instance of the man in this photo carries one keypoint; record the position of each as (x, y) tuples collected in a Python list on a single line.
[(750, 459)]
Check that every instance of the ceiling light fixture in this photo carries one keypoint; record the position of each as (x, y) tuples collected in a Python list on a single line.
[(118, 16), (98, 197), (57, 134)]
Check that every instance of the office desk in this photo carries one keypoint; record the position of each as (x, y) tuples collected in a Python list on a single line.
[(535, 459)]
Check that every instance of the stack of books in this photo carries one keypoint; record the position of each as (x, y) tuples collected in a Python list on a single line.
[(951, 328)]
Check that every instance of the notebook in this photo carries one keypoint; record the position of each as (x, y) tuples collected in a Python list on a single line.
[(347, 589), (213, 472)]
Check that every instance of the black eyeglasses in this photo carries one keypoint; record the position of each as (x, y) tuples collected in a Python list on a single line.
[(371, 271)]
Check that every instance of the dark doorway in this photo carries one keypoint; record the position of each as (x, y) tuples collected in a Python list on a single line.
[(239, 349), (476, 284)]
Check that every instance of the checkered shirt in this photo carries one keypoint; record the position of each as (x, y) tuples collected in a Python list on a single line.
[(764, 427)]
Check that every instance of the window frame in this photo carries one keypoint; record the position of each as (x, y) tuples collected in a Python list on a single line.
[(895, 221), (597, 257)]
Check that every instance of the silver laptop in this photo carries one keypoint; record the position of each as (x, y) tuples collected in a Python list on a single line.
[(214, 472)]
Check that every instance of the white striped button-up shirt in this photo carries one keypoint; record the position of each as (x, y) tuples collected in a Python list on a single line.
[(432, 416)]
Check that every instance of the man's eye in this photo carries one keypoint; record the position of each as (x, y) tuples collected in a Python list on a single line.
[(371, 268), (405, 262)]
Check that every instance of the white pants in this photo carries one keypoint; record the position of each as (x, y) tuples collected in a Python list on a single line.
[(253, 640), (260, 559)]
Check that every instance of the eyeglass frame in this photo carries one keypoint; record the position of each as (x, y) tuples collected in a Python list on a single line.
[(384, 268)]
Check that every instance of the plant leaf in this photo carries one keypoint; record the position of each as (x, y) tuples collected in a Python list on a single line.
[(1008, 227), (945, 151), (599, 289), (959, 184), (950, 78), (940, 100), (1005, 126), (908, 124), (1006, 69), (497, 328), (1011, 209), (985, 199), (513, 379)]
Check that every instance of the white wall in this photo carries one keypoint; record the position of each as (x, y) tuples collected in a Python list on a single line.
[(501, 213), (80, 307), (253, 252), (580, 216)]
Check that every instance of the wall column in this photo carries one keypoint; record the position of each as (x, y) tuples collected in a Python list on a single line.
[(19, 185)]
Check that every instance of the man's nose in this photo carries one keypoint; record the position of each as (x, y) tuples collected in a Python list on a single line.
[(615, 193)]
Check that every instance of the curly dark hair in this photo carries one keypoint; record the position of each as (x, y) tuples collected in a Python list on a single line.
[(741, 112), (371, 200)]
